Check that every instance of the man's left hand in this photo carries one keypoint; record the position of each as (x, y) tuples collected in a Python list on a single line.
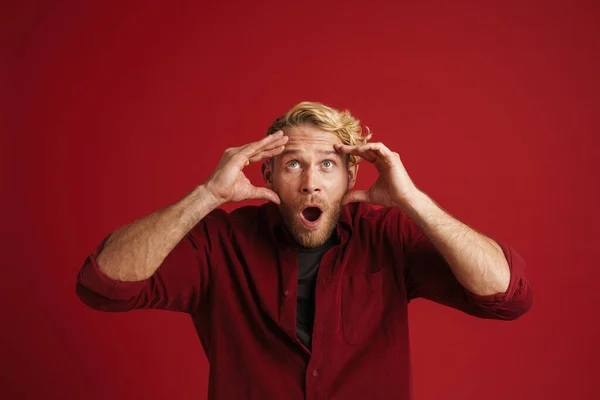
[(393, 188)]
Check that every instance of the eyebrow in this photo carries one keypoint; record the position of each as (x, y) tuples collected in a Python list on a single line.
[(322, 152)]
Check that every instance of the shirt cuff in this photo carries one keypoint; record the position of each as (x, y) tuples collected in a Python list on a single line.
[(517, 271), (91, 277)]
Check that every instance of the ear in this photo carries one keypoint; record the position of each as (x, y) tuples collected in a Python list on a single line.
[(352, 173), (267, 173)]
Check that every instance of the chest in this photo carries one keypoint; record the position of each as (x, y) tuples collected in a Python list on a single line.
[(357, 290)]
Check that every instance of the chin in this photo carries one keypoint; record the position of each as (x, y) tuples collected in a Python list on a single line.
[(313, 237), (311, 223)]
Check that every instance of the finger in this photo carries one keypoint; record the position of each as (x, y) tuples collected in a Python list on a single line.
[(274, 145), (278, 146), (376, 145), (367, 146), (348, 149), (356, 195), (360, 151), (380, 150), (262, 193), (369, 151), (274, 139), (266, 154)]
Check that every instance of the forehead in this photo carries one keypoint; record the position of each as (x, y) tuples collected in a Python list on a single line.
[(309, 137)]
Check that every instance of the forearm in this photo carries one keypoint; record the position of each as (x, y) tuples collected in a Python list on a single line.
[(134, 252), (476, 260)]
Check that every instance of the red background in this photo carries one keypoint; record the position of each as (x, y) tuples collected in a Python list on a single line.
[(116, 110)]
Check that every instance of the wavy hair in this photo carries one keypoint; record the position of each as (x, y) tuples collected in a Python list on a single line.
[(340, 123)]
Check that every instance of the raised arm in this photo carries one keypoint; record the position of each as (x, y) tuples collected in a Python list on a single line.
[(454, 273), (445, 260), (134, 252), (163, 259)]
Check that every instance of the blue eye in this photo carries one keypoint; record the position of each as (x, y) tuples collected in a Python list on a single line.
[(328, 161)]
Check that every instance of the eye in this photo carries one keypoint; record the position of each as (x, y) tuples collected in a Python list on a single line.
[(328, 161), (291, 162)]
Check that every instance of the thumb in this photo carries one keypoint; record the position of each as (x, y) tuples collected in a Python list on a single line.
[(356, 195), (264, 193)]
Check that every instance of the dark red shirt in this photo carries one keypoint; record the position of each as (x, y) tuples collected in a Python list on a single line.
[(236, 275)]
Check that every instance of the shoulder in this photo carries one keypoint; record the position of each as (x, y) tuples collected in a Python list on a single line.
[(373, 215), (241, 219), (239, 216), (380, 224), (223, 228)]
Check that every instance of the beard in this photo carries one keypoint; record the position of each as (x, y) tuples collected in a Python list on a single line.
[(306, 237)]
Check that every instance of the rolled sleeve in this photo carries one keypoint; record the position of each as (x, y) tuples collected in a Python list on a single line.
[(428, 275), (518, 297), (179, 284), (96, 281)]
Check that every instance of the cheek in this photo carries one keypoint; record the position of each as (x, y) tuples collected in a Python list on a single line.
[(337, 183), (282, 186)]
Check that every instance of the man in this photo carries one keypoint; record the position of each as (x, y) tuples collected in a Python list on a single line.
[(306, 295)]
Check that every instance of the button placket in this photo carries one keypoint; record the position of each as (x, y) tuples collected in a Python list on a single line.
[(323, 294), (287, 317)]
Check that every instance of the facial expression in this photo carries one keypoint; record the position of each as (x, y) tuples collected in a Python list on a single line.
[(311, 179)]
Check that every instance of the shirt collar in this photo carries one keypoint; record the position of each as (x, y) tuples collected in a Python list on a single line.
[(281, 234)]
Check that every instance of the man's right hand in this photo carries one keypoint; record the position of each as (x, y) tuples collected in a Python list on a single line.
[(229, 184)]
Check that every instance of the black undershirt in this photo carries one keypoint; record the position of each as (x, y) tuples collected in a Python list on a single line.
[(308, 266)]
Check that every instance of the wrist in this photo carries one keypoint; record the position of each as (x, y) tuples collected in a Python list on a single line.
[(411, 199), (416, 204), (206, 197)]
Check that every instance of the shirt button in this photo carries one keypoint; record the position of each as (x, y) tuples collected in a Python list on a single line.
[(315, 372), (286, 293)]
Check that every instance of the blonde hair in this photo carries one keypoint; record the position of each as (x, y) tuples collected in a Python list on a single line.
[(340, 123)]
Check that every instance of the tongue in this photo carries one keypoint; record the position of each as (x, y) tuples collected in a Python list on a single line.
[(311, 213)]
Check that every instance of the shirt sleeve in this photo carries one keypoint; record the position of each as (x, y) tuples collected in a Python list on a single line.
[(179, 284), (428, 275)]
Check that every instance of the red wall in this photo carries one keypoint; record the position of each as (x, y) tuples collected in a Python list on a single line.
[(117, 110)]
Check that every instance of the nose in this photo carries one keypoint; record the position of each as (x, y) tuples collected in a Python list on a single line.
[(310, 182)]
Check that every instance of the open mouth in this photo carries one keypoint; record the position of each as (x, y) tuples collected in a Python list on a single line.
[(311, 214)]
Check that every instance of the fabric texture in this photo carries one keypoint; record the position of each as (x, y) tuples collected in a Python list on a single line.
[(308, 267), (238, 279)]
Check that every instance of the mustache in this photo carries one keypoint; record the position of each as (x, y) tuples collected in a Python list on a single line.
[(303, 203), (324, 206)]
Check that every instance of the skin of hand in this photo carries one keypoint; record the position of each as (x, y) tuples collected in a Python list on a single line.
[(476, 260), (393, 188), (228, 183)]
